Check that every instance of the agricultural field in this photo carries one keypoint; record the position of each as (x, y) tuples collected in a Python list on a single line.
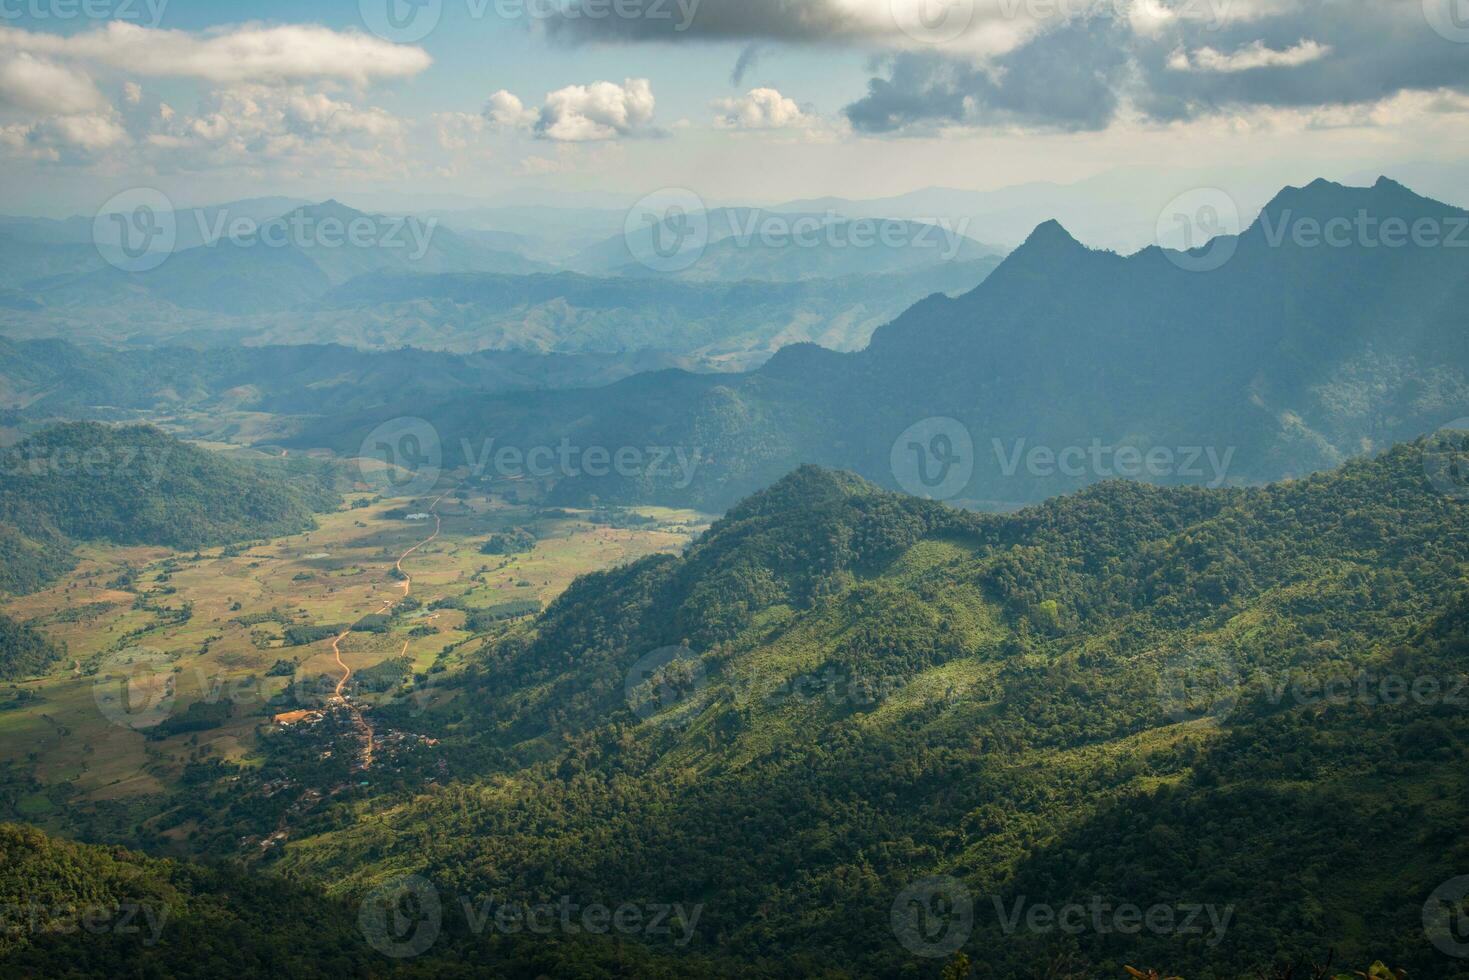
[(179, 659)]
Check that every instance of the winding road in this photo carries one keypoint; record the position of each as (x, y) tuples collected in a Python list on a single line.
[(363, 728)]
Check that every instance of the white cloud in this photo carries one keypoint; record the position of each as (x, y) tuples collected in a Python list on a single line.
[(229, 55), (268, 96), (600, 111), (1150, 17), (318, 112), (62, 137), (760, 108), (36, 84), (266, 108), (581, 113), (90, 132), (257, 126), (1248, 58), (504, 109)]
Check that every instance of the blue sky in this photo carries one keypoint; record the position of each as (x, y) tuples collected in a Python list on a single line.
[(860, 98)]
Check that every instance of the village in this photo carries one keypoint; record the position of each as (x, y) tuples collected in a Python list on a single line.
[(316, 740)]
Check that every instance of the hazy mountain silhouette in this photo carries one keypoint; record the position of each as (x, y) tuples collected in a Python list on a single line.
[(1280, 352)]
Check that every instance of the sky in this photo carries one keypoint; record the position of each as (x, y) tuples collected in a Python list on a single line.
[(438, 103)]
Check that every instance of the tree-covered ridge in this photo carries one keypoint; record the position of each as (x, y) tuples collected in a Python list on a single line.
[(81, 911), (23, 651), (158, 917), (877, 689), (137, 485)]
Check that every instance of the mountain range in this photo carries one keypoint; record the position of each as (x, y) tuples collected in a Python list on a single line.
[(409, 281), (1117, 209), (1264, 356)]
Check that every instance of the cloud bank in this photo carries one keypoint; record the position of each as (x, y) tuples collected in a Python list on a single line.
[(1079, 64)]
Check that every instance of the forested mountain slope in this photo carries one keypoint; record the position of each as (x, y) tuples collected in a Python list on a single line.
[(866, 690)]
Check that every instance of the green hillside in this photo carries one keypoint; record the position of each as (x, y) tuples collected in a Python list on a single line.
[(136, 485), (875, 689)]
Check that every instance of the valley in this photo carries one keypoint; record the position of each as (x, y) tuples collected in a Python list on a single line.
[(176, 661)]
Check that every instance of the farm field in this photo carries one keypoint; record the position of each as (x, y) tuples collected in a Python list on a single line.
[(176, 659)]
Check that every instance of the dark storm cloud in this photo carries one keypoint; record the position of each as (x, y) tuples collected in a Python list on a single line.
[(1075, 72), (1069, 79), (667, 20), (1075, 76), (1375, 50)]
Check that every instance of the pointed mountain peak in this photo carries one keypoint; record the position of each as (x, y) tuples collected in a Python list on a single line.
[(1051, 234), (1050, 246)]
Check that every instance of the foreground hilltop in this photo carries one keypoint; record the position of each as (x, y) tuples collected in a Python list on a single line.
[(840, 692)]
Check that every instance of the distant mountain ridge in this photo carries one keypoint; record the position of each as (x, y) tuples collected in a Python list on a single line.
[(721, 324), (1286, 357), (338, 275), (42, 380), (301, 254), (735, 244)]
